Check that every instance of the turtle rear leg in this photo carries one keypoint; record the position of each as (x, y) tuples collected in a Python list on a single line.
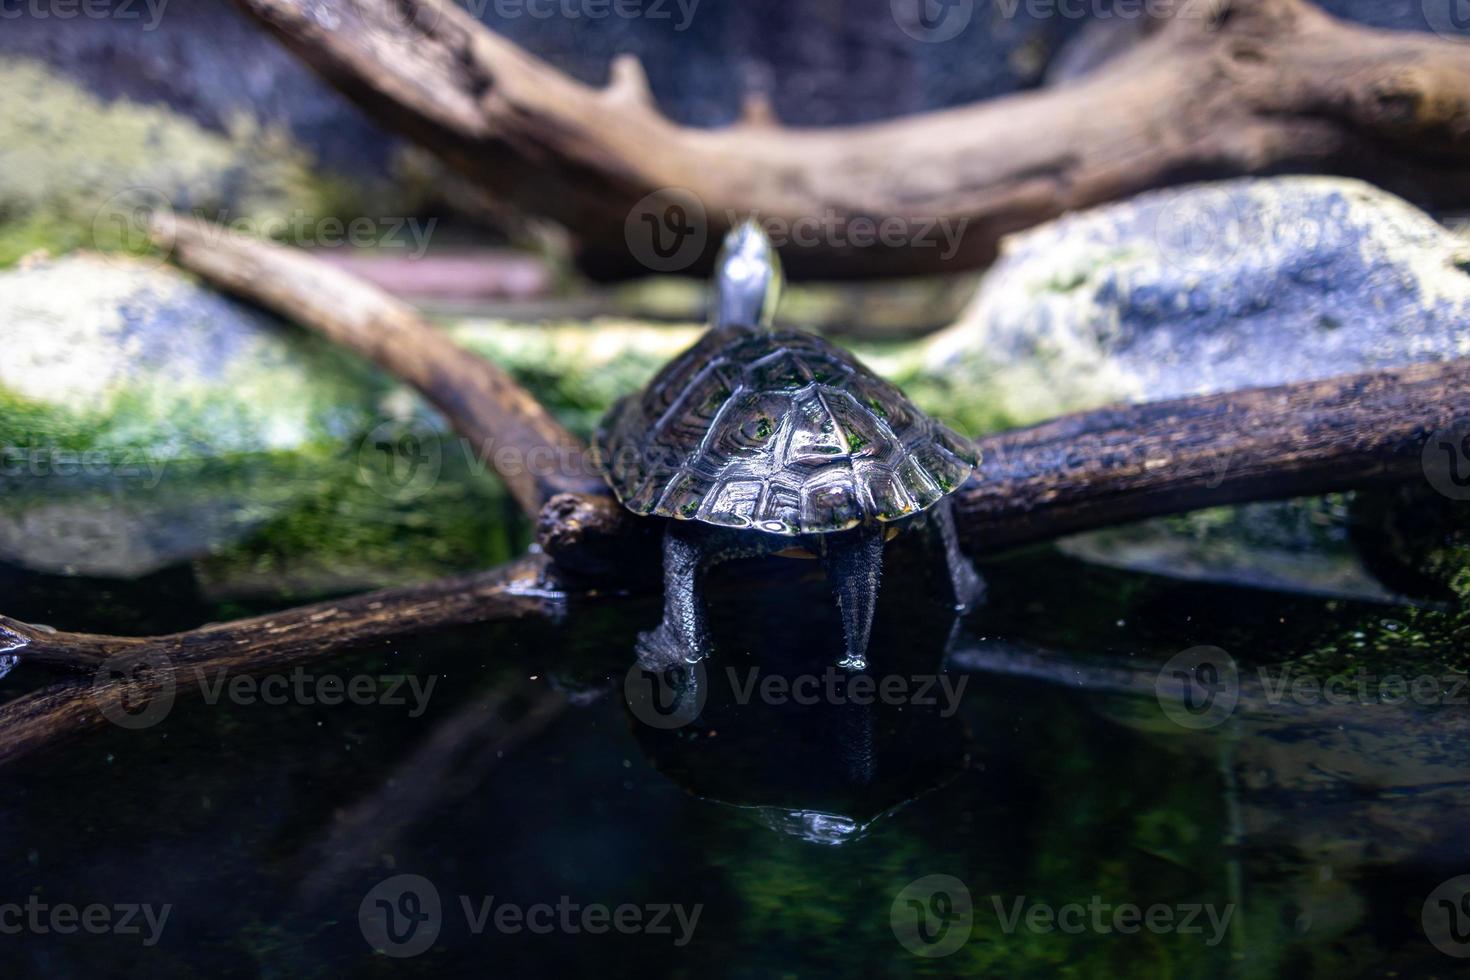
[(854, 563), (966, 585)]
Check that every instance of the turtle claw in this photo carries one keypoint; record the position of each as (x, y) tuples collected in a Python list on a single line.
[(663, 648)]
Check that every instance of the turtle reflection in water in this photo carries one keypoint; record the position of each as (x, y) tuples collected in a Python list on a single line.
[(758, 441)]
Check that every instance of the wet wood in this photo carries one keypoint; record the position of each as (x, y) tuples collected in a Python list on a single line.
[(528, 587), (1126, 463), (1115, 465), (529, 449), (1082, 471), (113, 675), (1223, 89)]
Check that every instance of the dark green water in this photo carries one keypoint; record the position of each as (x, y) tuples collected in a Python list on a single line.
[(1054, 788)]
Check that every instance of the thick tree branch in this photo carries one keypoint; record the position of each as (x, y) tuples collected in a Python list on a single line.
[(1245, 87), (1114, 465), (530, 450), (1081, 471)]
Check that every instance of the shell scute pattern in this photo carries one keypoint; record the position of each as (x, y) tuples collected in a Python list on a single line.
[(777, 431)]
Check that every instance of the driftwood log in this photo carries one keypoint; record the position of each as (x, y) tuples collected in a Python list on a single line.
[(1226, 88)]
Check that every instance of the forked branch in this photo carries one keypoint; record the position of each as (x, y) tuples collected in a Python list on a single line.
[(1223, 89)]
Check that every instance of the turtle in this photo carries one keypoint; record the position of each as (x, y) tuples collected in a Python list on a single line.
[(759, 441)]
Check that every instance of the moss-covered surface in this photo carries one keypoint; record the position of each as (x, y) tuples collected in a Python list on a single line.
[(111, 355), (73, 166)]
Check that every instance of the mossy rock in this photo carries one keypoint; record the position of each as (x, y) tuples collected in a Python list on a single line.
[(1207, 288)]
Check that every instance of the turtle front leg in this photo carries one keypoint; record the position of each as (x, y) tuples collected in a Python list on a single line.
[(683, 636), (854, 563), (690, 550)]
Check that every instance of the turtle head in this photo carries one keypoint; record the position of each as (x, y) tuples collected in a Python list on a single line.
[(747, 279)]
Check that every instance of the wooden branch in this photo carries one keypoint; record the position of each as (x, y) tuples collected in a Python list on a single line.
[(1113, 465), (1082, 471), (525, 588), (529, 449), (1248, 87), (117, 671)]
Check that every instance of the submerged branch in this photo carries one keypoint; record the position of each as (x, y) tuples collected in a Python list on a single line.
[(119, 673)]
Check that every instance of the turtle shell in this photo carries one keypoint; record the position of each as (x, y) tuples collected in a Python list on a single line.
[(777, 431)]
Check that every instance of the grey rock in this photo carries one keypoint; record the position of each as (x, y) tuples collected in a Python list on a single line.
[(141, 415), (1211, 287)]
